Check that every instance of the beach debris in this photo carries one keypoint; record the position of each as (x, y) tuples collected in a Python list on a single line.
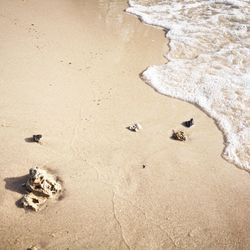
[(33, 201), (143, 166), (189, 123), (37, 138), (179, 135), (32, 248), (43, 183), (135, 127), (41, 186)]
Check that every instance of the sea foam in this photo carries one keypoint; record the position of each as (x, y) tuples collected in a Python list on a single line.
[(208, 63)]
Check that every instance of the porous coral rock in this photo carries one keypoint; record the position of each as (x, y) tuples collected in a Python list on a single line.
[(41, 185), (179, 135), (33, 201)]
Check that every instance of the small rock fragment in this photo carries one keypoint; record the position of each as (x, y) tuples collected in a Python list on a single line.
[(36, 138), (189, 123), (32, 248), (135, 127), (33, 201), (179, 135)]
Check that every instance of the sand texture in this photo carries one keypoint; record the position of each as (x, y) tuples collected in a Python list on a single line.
[(70, 71)]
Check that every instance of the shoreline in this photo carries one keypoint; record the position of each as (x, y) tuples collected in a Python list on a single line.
[(154, 76), (165, 31), (124, 190)]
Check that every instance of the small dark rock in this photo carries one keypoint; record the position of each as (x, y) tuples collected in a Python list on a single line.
[(143, 166), (36, 138), (189, 123)]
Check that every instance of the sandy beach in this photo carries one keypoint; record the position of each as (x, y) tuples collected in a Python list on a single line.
[(70, 71)]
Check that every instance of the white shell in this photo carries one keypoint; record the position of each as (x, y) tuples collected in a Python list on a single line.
[(135, 127)]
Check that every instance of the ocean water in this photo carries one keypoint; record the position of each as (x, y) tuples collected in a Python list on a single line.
[(208, 63)]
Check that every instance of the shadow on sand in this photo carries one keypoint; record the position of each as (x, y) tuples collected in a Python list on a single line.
[(29, 139), (16, 184)]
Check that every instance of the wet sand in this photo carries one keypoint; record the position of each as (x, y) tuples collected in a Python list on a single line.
[(70, 71)]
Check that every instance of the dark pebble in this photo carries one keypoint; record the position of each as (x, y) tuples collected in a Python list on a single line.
[(189, 123), (36, 138)]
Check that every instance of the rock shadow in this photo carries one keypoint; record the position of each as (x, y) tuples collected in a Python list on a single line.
[(16, 184), (29, 139)]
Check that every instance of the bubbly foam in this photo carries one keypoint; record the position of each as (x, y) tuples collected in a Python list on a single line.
[(208, 63)]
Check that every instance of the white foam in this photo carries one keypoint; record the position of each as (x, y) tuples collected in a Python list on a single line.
[(208, 63)]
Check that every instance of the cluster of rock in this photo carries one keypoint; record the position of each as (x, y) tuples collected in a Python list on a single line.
[(177, 135), (180, 135), (40, 186)]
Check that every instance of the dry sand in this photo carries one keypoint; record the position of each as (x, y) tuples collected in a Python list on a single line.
[(70, 70)]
